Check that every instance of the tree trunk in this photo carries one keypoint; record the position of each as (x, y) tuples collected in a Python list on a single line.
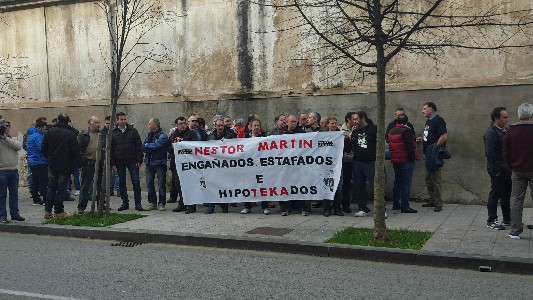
[(380, 229)]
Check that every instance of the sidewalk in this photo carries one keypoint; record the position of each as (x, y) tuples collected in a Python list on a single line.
[(459, 231)]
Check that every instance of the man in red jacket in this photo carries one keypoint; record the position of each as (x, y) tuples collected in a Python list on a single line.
[(518, 153), (403, 155)]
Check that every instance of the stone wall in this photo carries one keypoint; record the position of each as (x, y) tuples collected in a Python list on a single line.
[(466, 111)]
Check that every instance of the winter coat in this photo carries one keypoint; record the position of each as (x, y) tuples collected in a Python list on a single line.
[(493, 139), (60, 147), (155, 146), (126, 146), (33, 146), (402, 145), (226, 134), (518, 146)]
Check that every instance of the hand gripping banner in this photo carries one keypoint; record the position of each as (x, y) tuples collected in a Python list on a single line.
[(276, 168)]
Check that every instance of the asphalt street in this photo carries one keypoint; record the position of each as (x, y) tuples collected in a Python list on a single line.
[(45, 267)]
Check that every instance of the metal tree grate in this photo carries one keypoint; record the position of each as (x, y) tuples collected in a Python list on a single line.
[(126, 244)]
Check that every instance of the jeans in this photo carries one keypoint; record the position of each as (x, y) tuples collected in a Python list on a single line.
[(211, 206), (403, 177), (347, 174), (39, 182), (77, 184), (9, 181), (29, 179), (161, 172), (520, 183), (134, 175), (500, 189), (175, 188), (113, 180), (363, 172), (87, 180), (57, 191), (434, 186)]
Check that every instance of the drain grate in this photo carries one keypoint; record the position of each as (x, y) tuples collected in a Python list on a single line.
[(126, 244)]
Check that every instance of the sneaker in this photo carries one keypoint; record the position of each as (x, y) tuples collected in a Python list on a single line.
[(246, 211), (495, 225), (327, 213), (514, 236), (437, 208), (77, 193), (360, 214), (266, 211), (149, 207), (161, 208), (305, 213), (36, 203), (48, 215), (63, 215), (284, 213), (139, 208), (4, 220), (506, 222)]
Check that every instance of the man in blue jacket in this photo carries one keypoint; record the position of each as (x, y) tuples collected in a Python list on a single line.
[(37, 162), (155, 148)]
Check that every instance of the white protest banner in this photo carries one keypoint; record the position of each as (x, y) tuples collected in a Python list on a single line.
[(276, 168)]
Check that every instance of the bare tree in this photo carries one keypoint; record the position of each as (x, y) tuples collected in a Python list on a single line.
[(369, 33), (128, 22)]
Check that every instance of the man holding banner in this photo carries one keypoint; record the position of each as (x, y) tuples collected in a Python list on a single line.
[(281, 168)]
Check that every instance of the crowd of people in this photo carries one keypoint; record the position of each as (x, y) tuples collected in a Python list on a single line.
[(56, 151)]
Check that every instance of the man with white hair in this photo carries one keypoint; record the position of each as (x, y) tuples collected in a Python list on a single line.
[(88, 141), (518, 153)]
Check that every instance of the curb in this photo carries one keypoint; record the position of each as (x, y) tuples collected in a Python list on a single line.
[(520, 266)]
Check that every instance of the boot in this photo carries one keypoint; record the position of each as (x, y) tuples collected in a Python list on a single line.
[(111, 192), (118, 193), (180, 207), (190, 209)]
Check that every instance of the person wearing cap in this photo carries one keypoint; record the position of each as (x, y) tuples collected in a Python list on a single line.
[(155, 147)]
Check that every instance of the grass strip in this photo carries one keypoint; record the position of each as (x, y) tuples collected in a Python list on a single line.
[(398, 238), (86, 220)]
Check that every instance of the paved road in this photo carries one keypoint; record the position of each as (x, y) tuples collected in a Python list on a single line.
[(43, 267)]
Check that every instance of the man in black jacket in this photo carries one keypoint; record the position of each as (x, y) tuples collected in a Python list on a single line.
[(499, 171), (175, 136), (61, 148), (88, 141), (364, 139), (126, 154)]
